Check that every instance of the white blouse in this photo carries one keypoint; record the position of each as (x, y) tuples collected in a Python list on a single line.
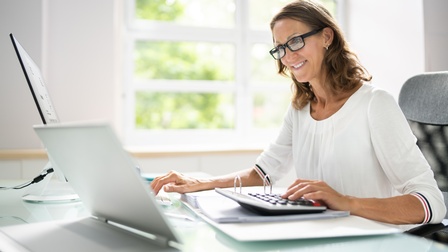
[(366, 149)]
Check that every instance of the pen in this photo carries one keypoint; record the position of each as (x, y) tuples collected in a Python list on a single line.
[(179, 216)]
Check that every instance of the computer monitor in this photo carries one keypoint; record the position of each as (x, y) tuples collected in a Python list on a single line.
[(36, 84), (48, 115)]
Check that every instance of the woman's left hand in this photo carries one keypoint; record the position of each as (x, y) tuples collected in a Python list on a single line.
[(318, 191)]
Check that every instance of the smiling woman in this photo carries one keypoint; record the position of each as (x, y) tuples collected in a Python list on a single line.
[(347, 141)]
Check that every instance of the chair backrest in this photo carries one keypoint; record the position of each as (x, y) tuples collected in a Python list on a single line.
[(424, 101)]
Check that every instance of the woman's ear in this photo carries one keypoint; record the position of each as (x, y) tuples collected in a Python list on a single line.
[(327, 34)]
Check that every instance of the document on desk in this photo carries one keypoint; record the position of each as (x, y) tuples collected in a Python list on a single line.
[(351, 226), (218, 210), (224, 210)]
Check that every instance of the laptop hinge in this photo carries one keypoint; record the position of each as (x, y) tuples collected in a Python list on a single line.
[(158, 240), (101, 219)]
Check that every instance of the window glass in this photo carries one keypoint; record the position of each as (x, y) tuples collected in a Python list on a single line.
[(263, 66), (215, 13), (269, 108), (184, 60), (262, 11), (163, 110)]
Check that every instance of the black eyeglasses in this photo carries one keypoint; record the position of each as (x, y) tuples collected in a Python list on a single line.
[(294, 44)]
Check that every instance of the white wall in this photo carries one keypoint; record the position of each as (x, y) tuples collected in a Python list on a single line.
[(436, 35), (389, 39), (83, 48), (77, 44), (17, 110)]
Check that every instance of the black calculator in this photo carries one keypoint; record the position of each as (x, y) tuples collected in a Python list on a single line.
[(272, 204)]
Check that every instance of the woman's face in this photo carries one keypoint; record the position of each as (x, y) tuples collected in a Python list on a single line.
[(306, 63)]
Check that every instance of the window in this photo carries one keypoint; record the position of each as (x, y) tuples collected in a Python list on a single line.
[(199, 72)]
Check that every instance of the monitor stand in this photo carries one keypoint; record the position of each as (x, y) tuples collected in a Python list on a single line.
[(54, 191)]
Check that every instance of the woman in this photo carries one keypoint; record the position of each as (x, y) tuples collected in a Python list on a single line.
[(349, 142)]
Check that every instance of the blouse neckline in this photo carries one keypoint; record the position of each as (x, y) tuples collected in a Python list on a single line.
[(341, 110)]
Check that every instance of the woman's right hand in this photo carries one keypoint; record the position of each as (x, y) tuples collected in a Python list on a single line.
[(176, 182)]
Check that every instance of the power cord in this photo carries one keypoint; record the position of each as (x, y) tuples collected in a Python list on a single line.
[(37, 179)]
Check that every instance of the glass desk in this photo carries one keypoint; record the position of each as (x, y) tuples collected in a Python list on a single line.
[(197, 235)]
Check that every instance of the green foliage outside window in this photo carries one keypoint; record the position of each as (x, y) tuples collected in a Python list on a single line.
[(183, 61), (162, 10), (184, 110), (167, 60)]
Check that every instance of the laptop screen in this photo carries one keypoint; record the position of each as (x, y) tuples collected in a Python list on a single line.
[(36, 84)]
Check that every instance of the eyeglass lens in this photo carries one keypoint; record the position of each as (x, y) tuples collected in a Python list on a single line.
[(293, 44)]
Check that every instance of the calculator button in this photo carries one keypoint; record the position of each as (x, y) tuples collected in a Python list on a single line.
[(277, 199)]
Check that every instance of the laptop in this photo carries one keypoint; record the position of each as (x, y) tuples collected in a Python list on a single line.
[(117, 197)]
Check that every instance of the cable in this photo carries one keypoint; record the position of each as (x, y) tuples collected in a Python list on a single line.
[(36, 180)]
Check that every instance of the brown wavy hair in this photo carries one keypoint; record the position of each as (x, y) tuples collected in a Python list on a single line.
[(344, 72)]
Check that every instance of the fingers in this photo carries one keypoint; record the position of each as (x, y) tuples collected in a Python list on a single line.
[(159, 182), (311, 189), (175, 182), (318, 191), (176, 188)]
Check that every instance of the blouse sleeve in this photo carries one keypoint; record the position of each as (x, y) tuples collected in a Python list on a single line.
[(399, 156), (275, 160)]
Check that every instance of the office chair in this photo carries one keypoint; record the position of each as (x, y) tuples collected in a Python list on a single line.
[(424, 101)]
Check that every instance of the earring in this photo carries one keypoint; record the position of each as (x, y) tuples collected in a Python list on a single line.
[(326, 48)]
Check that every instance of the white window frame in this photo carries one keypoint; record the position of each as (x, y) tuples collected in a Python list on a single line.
[(242, 37)]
